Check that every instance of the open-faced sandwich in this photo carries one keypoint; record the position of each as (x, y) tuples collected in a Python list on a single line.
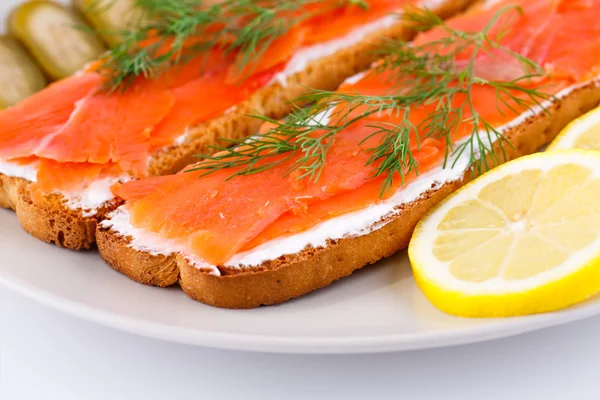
[(341, 183)]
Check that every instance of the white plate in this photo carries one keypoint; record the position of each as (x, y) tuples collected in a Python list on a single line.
[(377, 309)]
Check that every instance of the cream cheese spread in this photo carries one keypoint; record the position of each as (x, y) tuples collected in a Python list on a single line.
[(16, 170), (93, 197)]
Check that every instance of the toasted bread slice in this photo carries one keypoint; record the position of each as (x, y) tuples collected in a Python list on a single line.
[(293, 275), (52, 221)]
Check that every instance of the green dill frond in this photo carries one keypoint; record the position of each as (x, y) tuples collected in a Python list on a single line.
[(173, 31), (423, 74)]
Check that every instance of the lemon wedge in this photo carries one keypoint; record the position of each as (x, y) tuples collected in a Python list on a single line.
[(521, 239), (582, 133)]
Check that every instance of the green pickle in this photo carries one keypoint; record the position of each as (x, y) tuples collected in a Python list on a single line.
[(20, 76), (56, 37), (110, 17)]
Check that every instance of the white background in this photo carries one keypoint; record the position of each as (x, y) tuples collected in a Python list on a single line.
[(46, 355)]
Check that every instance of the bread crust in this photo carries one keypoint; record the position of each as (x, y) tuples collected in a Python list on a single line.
[(47, 218), (142, 267), (9, 189), (51, 221), (294, 275)]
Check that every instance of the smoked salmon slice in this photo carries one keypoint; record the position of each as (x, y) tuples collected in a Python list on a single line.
[(53, 175), (278, 52), (559, 35), (429, 154), (24, 127), (210, 64), (117, 129), (202, 99), (217, 217), (138, 189), (341, 21)]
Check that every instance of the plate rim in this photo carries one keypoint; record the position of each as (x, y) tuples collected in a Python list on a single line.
[(501, 328)]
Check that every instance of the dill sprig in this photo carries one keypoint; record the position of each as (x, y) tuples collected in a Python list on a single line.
[(419, 75), (173, 31)]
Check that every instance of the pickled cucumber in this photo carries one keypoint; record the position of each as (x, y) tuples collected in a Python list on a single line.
[(56, 37), (20, 76), (110, 17)]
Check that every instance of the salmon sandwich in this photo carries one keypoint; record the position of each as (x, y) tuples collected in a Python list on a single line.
[(341, 182), (184, 81)]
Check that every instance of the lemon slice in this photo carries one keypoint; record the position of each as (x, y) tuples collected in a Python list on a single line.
[(582, 133), (521, 239)]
